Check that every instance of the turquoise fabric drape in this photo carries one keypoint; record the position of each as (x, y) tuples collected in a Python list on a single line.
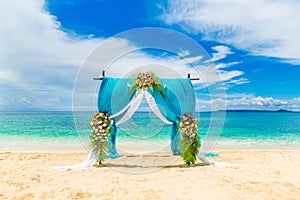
[(106, 97), (179, 99)]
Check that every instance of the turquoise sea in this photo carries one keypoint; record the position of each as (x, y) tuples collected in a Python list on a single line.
[(57, 130)]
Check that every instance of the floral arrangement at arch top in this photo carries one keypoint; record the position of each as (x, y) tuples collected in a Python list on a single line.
[(190, 142), (100, 133), (146, 80)]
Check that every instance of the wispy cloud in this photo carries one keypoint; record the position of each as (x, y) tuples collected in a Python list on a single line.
[(183, 53), (193, 59), (186, 55), (213, 70), (221, 52), (260, 26)]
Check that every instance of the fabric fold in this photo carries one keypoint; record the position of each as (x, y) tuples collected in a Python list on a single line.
[(132, 109), (133, 100), (153, 106)]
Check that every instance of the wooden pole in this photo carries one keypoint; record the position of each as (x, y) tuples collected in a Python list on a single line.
[(97, 79), (103, 75), (192, 79), (100, 78)]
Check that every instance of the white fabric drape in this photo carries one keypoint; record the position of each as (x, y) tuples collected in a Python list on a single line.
[(92, 157), (217, 164), (153, 106), (133, 105), (131, 110), (89, 161), (137, 95)]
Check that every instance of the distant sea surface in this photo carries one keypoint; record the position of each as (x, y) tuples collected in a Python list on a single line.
[(58, 130)]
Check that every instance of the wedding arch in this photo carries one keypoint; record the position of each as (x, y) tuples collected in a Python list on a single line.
[(175, 99), (171, 100)]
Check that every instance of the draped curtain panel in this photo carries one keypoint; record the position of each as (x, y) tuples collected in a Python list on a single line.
[(115, 99)]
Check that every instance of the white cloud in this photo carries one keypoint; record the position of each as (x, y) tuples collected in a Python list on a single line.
[(1, 102), (261, 26), (210, 105), (37, 56), (221, 52), (193, 59), (39, 61), (230, 83), (242, 101), (8, 77), (225, 65), (183, 53)]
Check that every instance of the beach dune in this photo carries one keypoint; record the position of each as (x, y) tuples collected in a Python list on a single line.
[(260, 174)]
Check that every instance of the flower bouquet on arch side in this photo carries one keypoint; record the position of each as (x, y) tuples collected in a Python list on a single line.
[(146, 80), (190, 141), (100, 133)]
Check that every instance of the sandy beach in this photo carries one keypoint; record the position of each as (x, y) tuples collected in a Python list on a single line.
[(260, 174)]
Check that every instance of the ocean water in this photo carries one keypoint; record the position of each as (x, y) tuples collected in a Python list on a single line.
[(65, 130)]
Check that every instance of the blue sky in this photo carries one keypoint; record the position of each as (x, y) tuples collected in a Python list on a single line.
[(254, 44)]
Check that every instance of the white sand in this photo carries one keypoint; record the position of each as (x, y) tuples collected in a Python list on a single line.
[(261, 174)]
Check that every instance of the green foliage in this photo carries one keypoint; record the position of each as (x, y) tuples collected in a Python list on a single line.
[(132, 88), (100, 148), (159, 89), (189, 149), (100, 133)]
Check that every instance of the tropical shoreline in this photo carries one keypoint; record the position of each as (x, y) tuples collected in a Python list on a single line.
[(74, 144)]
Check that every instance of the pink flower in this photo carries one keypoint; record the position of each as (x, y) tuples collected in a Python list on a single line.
[(152, 79)]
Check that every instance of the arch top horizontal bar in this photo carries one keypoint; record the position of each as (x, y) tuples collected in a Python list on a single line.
[(103, 74)]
